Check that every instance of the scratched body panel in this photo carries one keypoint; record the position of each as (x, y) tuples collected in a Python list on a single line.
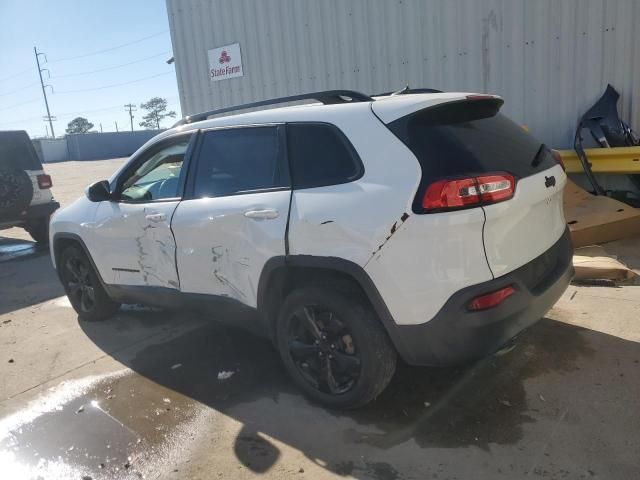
[(221, 251), (140, 251)]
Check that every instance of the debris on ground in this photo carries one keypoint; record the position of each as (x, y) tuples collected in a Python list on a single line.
[(427, 404), (11, 360), (594, 263), (597, 219), (506, 403), (166, 400), (80, 410), (177, 365), (224, 375)]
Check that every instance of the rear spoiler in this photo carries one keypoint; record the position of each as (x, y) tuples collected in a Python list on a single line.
[(393, 108)]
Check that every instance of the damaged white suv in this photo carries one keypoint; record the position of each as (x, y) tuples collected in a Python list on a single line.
[(424, 225)]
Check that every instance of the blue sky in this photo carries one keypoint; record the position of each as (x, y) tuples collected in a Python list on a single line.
[(73, 28)]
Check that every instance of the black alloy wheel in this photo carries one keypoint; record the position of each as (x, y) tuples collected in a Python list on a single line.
[(322, 349), (86, 293), (333, 345), (78, 283)]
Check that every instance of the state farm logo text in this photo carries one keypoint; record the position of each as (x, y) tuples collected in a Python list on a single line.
[(225, 62)]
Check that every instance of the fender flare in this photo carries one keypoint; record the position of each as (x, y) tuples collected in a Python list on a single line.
[(351, 269), (78, 239)]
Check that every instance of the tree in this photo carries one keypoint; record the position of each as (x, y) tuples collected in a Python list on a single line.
[(156, 109), (79, 125)]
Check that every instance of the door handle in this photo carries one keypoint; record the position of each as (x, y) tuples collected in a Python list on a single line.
[(268, 213), (156, 217)]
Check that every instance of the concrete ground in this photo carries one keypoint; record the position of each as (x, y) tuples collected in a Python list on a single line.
[(139, 396)]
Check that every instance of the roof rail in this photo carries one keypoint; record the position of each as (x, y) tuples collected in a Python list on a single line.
[(327, 97), (406, 91)]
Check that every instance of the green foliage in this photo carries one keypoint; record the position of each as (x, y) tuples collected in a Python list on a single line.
[(79, 125), (156, 109)]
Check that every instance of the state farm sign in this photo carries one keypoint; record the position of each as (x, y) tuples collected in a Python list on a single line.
[(225, 62)]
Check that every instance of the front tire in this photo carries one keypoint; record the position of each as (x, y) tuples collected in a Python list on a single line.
[(334, 347), (82, 285)]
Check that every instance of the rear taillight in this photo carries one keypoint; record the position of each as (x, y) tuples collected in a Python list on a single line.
[(44, 181), (463, 192), (558, 158), (491, 300)]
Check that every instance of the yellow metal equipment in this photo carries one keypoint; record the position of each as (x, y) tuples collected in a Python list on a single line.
[(619, 160)]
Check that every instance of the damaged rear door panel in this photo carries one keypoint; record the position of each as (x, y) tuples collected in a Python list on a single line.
[(235, 213)]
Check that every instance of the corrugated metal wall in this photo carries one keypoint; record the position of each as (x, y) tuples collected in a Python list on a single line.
[(549, 59), (98, 146)]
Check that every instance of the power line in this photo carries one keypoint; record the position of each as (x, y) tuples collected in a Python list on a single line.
[(97, 52), (114, 84), (19, 89), (110, 68), (21, 72), (19, 104), (83, 112)]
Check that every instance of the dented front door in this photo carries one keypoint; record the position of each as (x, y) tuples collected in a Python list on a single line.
[(138, 246)]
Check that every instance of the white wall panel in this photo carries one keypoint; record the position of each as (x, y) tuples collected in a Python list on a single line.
[(549, 59)]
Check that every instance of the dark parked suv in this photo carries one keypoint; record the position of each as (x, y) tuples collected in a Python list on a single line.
[(25, 189)]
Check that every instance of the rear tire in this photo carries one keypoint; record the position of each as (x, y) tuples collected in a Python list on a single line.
[(39, 230), (334, 347), (83, 287)]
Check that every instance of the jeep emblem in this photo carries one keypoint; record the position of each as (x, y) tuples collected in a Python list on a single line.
[(550, 181)]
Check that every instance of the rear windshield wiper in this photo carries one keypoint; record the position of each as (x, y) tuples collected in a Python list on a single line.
[(537, 160)]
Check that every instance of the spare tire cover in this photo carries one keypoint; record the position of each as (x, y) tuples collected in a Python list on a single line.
[(16, 191)]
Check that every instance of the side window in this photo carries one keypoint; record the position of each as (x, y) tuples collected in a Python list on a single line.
[(239, 160), (321, 155), (158, 177)]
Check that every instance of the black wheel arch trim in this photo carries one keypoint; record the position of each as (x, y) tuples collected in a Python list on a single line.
[(78, 239), (351, 269)]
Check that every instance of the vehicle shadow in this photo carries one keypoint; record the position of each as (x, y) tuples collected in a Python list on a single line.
[(496, 402), (27, 276)]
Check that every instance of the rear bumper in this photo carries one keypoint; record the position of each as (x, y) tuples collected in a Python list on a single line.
[(33, 212), (456, 335)]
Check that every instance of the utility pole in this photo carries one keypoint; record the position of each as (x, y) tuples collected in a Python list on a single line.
[(44, 92), (132, 108)]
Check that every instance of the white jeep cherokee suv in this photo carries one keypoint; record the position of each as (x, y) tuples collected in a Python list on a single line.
[(424, 225)]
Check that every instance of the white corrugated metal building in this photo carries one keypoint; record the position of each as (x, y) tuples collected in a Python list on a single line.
[(549, 59)]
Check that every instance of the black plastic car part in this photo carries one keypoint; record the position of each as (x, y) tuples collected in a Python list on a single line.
[(609, 131)]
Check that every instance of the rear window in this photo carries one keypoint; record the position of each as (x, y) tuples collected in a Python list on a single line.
[(16, 151), (320, 155), (468, 138)]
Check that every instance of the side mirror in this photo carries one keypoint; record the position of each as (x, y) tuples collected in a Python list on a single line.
[(99, 191)]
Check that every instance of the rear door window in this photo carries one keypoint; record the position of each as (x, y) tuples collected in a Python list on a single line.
[(321, 155), (467, 138), (240, 160)]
